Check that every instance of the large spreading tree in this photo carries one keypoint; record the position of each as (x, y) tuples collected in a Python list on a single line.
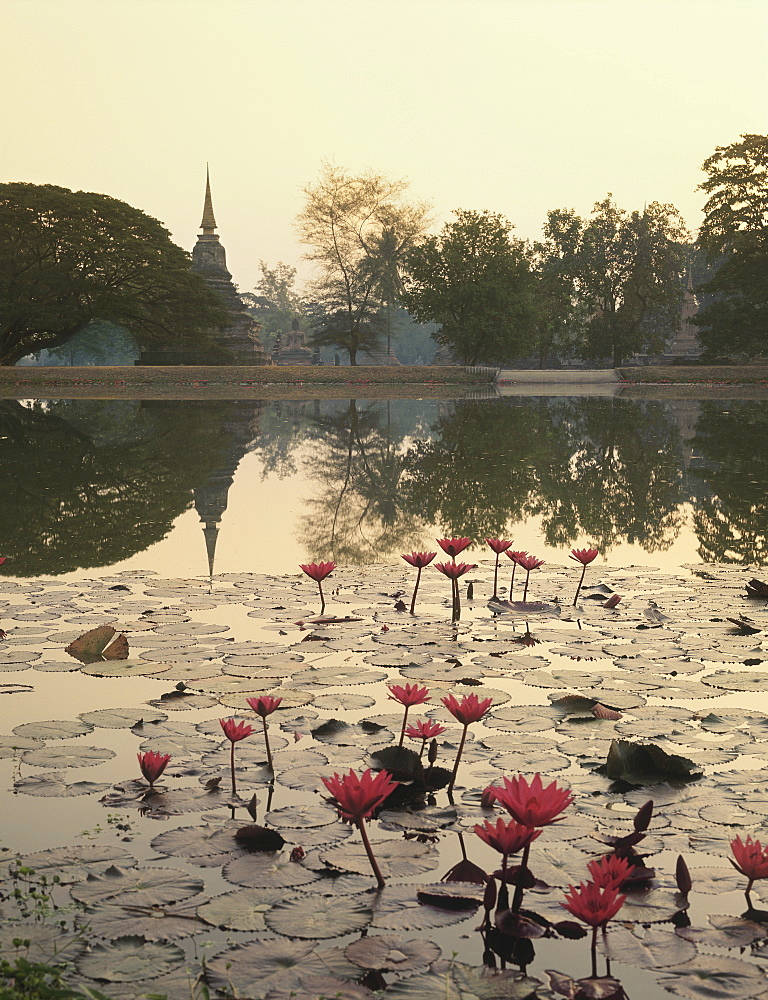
[(67, 258), (735, 233), (357, 230), (627, 271), (474, 280)]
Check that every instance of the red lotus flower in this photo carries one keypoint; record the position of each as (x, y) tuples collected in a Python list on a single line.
[(453, 546), (469, 709), (454, 570), (419, 559), (506, 838), (318, 572), (152, 764), (610, 871), (528, 562), (532, 804), (498, 545), (425, 729), (2, 560), (357, 797), (514, 556), (751, 858), (593, 904), (585, 557), (235, 731), (409, 695), (264, 705)]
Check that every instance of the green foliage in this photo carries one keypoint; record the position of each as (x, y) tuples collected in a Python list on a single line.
[(475, 282), (276, 303), (67, 258), (357, 230), (98, 343), (25, 980), (735, 233), (627, 275), (90, 482)]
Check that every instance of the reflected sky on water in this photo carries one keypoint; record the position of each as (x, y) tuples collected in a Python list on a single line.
[(177, 486)]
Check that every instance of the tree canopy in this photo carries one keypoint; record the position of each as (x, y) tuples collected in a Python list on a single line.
[(735, 232), (357, 229), (474, 280), (627, 272), (67, 258)]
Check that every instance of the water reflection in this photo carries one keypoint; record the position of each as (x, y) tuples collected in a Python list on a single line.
[(89, 483)]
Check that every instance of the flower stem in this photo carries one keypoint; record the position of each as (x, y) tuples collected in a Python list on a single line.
[(369, 851), (266, 741), (517, 899), (456, 765), (402, 731), (496, 577), (594, 952), (512, 581), (578, 589), (322, 599), (416, 588), (527, 578), (232, 767)]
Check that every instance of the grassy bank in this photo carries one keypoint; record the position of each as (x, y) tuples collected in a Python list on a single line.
[(696, 374)]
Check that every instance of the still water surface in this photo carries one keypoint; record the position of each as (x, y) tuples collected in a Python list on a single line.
[(179, 486)]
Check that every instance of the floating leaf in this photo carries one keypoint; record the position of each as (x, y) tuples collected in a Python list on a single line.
[(77, 861), (396, 858), (461, 982), (647, 948), (134, 887), (95, 645), (392, 953), (67, 756), (324, 917), (716, 978), (240, 910), (129, 960), (53, 783), (646, 764)]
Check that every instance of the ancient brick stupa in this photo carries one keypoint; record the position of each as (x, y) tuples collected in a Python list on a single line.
[(209, 259), (240, 337)]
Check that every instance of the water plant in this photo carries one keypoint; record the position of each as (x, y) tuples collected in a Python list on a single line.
[(265, 705), (418, 560), (470, 709), (234, 731), (585, 557), (318, 572), (152, 765), (498, 545), (410, 694)]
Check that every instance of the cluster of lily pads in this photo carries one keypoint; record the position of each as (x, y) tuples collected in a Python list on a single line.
[(309, 881)]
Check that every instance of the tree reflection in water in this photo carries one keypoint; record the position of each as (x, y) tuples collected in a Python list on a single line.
[(89, 483)]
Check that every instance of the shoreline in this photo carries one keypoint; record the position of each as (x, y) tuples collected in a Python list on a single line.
[(384, 382)]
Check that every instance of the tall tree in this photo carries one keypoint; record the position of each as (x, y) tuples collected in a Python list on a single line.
[(474, 281), (347, 222), (68, 258), (627, 272), (735, 231)]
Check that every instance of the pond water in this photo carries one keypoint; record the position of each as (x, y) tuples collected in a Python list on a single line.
[(179, 486), (117, 511)]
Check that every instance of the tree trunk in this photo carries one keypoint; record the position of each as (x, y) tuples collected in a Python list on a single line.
[(352, 357)]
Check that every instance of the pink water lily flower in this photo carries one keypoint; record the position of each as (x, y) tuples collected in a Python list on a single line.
[(318, 572), (418, 560), (152, 765), (585, 557), (497, 545), (409, 695), (263, 706)]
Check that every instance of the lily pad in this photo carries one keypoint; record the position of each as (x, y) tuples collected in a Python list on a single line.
[(322, 917), (241, 909), (396, 858), (129, 960), (137, 887), (461, 982), (394, 954)]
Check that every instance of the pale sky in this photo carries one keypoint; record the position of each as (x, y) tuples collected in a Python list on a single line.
[(517, 106)]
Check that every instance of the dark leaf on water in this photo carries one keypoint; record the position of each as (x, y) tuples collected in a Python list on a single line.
[(646, 764), (319, 918), (518, 925), (259, 838), (129, 960)]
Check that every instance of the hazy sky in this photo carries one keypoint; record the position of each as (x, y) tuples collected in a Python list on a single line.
[(518, 106)]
